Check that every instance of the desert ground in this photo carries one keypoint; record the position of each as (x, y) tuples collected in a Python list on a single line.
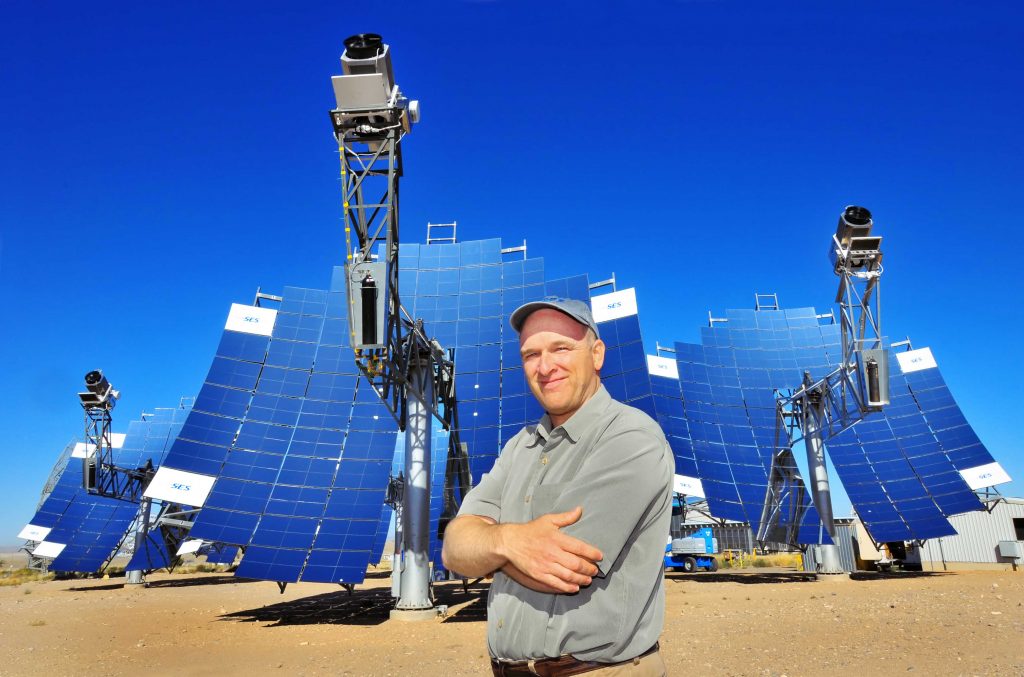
[(742, 622)]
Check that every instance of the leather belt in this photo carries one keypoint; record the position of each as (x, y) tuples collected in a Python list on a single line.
[(556, 667)]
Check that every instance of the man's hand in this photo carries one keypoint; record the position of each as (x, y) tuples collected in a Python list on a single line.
[(535, 554), (539, 556), (527, 582)]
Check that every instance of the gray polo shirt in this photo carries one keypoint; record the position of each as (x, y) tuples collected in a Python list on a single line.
[(614, 461)]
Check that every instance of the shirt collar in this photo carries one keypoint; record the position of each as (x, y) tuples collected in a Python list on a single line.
[(584, 417)]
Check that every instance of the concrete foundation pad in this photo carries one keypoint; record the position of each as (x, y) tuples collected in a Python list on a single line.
[(834, 575), (413, 614)]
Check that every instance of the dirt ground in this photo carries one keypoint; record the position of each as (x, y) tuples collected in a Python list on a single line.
[(756, 622)]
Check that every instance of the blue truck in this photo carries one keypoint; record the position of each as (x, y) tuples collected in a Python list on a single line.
[(696, 551)]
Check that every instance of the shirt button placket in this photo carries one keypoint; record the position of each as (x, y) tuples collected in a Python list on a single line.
[(545, 456)]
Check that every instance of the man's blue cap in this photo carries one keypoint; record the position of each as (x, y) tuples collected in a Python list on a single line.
[(577, 310)]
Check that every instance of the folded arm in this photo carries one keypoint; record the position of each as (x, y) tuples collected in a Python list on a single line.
[(536, 554)]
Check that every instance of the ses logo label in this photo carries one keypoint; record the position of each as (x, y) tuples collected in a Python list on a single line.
[(613, 306), (251, 319), (178, 485), (916, 360)]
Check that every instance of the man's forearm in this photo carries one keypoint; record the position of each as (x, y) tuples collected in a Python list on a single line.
[(537, 551), (472, 546)]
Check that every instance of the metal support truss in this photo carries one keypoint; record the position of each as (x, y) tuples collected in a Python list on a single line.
[(990, 497), (783, 507), (698, 506), (100, 475), (520, 249), (600, 283), (819, 409), (404, 365), (371, 169), (172, 524), (36, 563), (440, 239)]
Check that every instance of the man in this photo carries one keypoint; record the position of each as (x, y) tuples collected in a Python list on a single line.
[(573, 518)]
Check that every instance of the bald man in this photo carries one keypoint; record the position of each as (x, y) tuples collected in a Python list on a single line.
[(573, 518)]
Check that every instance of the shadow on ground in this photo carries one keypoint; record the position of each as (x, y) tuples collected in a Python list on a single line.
[(747, 578), (465, 604), (370, 606), (899, 575), (360, 607), (183, 582), (191, 581), (754, 577)]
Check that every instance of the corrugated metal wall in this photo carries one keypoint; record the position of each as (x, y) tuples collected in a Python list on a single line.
[(844, 539), (978, 535)]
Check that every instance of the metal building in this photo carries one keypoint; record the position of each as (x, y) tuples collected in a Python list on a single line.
[(977, 543)]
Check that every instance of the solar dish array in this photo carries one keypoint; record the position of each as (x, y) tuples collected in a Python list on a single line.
[(81, 531), (897, 466), (902, 468), (727, 384), (289, 449)]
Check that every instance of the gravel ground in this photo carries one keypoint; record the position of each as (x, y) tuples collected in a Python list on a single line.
[(757, 622)]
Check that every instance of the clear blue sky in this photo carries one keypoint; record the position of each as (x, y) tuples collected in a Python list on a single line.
[(159, 162)]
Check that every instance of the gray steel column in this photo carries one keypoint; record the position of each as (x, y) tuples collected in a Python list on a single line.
[(415, 572), (820, 492), (135, 577)]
